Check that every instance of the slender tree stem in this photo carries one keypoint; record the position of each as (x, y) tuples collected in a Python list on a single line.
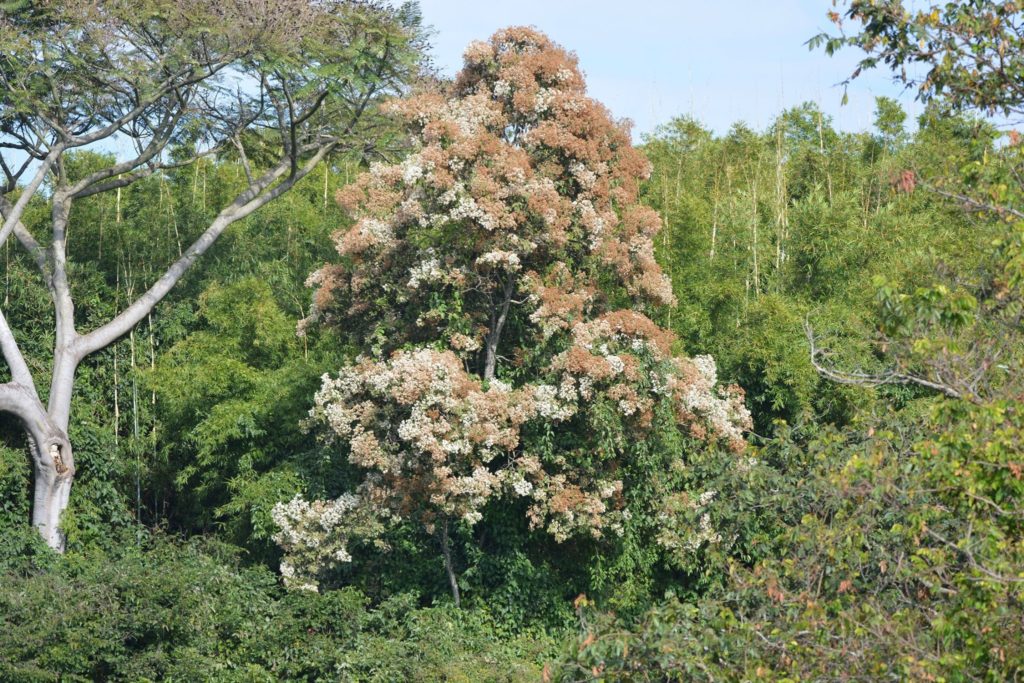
[(447, 552)]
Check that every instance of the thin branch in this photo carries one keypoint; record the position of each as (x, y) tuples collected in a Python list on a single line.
[(243, 157), (12, 217), (869, 379), (976, 204), (973, 562), (13, 176), (15, 360)]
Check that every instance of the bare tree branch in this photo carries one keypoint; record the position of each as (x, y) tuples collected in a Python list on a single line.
[(976, 204), (253, 198), (891, 376), (14, 215)]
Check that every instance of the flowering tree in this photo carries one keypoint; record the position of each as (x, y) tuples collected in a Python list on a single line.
[(483, 277)]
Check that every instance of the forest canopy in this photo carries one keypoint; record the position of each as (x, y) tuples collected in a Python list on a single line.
[(347, 370)]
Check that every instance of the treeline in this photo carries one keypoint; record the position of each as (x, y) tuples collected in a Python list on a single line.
[(765, 232), (190, 427)]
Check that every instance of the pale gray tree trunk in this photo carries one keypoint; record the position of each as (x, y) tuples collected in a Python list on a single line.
[(53, 459), (53, 463), (54, 471), (46, 427)]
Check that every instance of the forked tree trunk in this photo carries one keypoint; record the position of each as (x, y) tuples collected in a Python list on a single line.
[(47, 427)]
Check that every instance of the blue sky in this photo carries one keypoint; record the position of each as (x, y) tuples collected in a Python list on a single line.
[(651, 60)]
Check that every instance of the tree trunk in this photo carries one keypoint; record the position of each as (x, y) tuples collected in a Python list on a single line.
[(491, 356), (447, 552), (47, 427), (53, 463), (54, 469), (492, 338)]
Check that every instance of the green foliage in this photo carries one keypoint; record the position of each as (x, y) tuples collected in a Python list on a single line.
[(869, 532), (766, 231), (967, 53), (886, 542), (204, 437), (235, 390), (161, 609), (899, 556)]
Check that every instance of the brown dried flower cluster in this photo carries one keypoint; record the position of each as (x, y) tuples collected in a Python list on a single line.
[(519, 184)]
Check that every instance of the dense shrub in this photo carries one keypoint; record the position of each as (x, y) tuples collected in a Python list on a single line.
[(166, 609)]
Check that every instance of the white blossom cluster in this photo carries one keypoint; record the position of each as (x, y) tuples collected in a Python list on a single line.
[(366, 234), (584, 175), (550, 405), (313, 537), (703, 534), (522, 487), (592, 222), (503, 260), (471, 113), (543, 100), (467, 208), (427, 271), (414, 167), (723, 409), (685, 525)]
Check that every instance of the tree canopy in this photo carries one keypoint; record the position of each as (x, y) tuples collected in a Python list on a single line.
[(287, 84), (511, 232)]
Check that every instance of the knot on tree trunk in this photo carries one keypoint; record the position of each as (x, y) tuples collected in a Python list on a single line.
[(58, 461)]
